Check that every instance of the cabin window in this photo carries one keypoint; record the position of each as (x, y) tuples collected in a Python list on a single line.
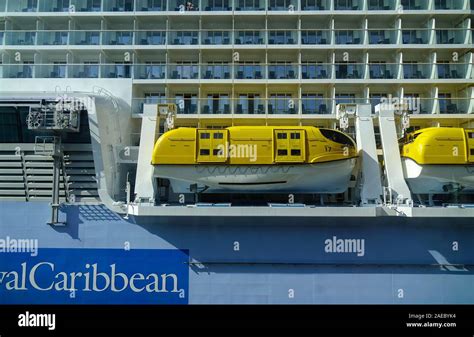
[(295, 136), (204, 152), (296, 152), (218, 135), (205, 136), (282, 152), (281, 135)]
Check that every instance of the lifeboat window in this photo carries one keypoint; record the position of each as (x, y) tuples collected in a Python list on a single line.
[(205, 136), (282, 152), (218, 135), (217, 152), (472, 152), (336, 137), (281, 135), (204, 152), (296, 152), (470, 135), (295, 135)]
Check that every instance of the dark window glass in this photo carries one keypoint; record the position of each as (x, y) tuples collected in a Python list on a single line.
[(281, 135), (296, 152), (205, 136), (204, 152), (218, 135), (470, 134), (295, 136), (217, 152), (336, 136), (282, 152), (472, 152)]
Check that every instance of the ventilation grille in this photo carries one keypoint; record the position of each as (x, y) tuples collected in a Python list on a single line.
[(25, 176)]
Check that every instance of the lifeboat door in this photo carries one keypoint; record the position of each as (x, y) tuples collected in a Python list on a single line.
[(470, 145), (289, 146), (212, 146)]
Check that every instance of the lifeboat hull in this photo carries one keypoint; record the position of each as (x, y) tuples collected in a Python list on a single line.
[(438, 179), (321, 178)]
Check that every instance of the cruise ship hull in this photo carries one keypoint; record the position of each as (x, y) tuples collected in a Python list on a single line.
[(323, 178), (438, 179)]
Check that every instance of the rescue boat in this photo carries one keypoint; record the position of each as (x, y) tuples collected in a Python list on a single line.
[(255, 159), (439, 160)]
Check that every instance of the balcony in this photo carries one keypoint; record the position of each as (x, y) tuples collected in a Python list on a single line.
[(412, 71), (319, 37), (150, 71), (214, 37), (414, 5), (55, 6), (216, 105), (278, 104), (246, 104), (451, 70), (384, 71), (448, 4), (184, 37), (53, 38), (280, 71), (151, 5), (116, 71), (448, 105), (118, 38), (20, 38), (282, 37), (315, 5), (83, 70), (344, 36), (215, 71), (146, 38), (249, 71), (413, 36), (249, 37), (183, 71), (2, 34), (380, 5), (25, 6), (88, 5), (450, 36), (315, 71), (249, 5), (347, 5), (18, 71), (51, 70), (282, 5), (119, 5), (383, 36), (91, 38), (217, 5), (315, 104), (349, 71)]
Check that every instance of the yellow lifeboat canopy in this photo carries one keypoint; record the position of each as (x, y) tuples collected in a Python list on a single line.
[(252, 145), (439, 146)]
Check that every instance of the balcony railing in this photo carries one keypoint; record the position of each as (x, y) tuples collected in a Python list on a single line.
[(26, 6), (227, 37), (307, 104), (416, 71), (244, 71)]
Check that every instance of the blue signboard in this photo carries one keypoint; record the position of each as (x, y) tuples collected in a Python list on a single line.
[(95, 276)]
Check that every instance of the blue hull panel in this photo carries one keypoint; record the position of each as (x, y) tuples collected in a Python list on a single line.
[(275, 260)]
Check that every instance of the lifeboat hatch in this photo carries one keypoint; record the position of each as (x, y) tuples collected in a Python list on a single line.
[(289, 146), (470, 145), (212, 146)]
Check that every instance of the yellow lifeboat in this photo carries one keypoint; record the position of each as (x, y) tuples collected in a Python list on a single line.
[(439, 160), (258, 159)]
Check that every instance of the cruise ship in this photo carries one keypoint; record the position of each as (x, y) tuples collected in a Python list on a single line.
[(237, 151)]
